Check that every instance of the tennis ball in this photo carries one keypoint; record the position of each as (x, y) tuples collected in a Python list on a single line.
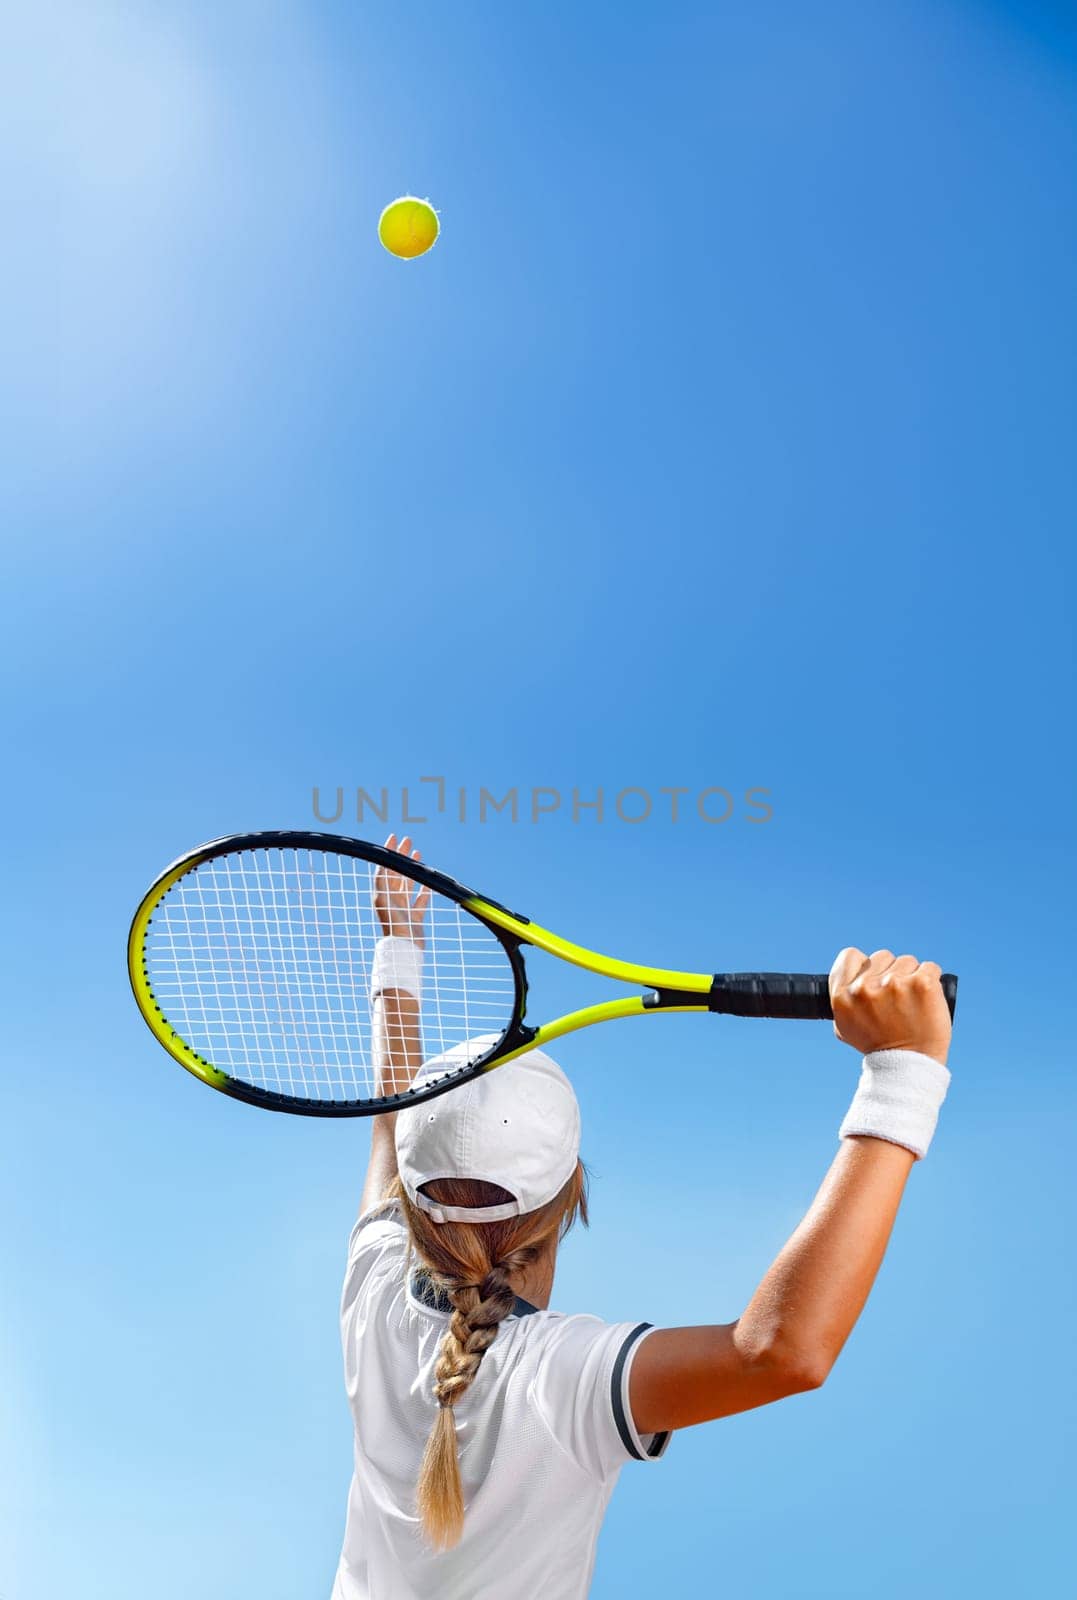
[(408, 227)]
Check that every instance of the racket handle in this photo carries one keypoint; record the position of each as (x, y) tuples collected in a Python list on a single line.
[(803, 995)]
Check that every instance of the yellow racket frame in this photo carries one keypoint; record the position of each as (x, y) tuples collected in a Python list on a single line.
[(636, 1005)]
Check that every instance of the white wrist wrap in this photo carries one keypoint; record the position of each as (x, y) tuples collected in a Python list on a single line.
[(898, 1099), (398, 964)]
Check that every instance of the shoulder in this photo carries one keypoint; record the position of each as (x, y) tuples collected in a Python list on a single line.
[(378, 1225), (378, 1239)]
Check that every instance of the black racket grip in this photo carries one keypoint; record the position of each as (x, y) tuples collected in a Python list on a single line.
[(801, 995)]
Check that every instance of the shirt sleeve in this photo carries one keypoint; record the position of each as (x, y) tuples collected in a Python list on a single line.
[(377, 1256), (581, 1391), (377, 1228), (378, 1245)]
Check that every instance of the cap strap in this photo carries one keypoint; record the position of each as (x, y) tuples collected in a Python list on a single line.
[(439, 1213)]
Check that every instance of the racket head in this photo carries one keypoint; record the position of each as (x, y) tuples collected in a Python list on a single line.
[(250, 959)]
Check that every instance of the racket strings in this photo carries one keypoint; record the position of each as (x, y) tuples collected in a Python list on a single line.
[(262, 962)]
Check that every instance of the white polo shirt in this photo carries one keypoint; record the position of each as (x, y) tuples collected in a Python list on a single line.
[(542, 1432)]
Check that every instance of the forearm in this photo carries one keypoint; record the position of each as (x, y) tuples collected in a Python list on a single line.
[(895, 1011), (397, 1057), (809, 1301), (396, 1039), (397, 1049)]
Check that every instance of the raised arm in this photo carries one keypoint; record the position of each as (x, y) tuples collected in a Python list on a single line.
[(396, 1041), (796, 1323)]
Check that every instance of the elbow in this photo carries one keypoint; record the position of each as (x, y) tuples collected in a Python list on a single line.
[(795, 1369), (808, 1372)]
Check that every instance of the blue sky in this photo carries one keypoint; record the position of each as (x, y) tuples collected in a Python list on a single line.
[(725, 439)]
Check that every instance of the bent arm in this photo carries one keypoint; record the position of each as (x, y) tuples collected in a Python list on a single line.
[(808, 1303), (796, 1323)]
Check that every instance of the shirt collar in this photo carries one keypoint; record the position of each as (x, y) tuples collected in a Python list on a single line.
[(427, 1295)]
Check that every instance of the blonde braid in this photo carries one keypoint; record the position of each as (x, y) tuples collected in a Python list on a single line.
[(472, 1263), (478, 1311)]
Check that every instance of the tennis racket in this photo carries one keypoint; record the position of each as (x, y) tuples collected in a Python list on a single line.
[(251, 958)]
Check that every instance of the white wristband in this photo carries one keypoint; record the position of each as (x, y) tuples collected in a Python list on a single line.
[(898, 1099), (398, 964)]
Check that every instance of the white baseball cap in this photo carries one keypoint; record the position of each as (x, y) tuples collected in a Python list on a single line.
[(517, 1126)]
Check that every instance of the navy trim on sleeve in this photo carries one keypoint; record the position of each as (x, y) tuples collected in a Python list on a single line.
[(619, 1416)]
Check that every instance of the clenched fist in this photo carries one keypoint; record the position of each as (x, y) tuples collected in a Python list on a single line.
[(888, 1002)]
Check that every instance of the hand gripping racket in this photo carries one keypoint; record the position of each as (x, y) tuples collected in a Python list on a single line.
[(251, 958)]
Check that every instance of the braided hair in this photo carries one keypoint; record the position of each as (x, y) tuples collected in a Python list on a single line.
[(473, 1263)]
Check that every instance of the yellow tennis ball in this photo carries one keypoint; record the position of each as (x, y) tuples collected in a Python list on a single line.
[(408, 227)]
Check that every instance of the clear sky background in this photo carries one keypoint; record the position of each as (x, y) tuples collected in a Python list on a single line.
[(725, 439)]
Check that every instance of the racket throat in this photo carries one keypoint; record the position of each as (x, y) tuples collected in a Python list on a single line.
[(676, 1000)]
